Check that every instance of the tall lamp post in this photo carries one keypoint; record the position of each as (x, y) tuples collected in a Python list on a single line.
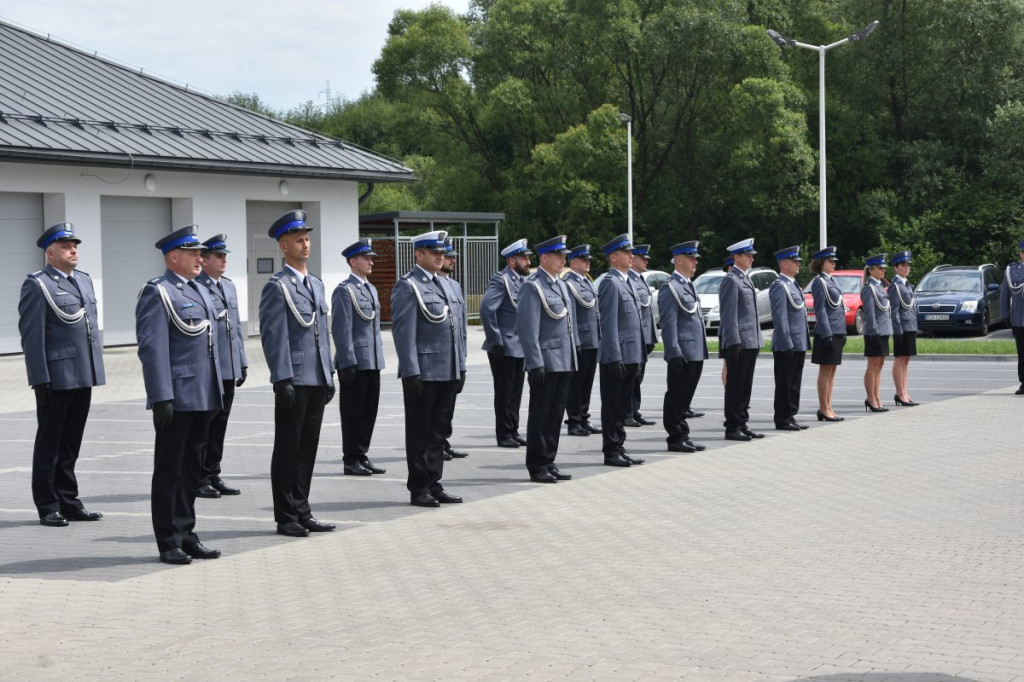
[(784, 41), (628, 120)]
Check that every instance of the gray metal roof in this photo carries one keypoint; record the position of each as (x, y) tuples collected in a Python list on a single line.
[(59, 104)]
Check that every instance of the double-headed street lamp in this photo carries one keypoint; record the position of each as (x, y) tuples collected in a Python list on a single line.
[(784, 41), (628, 120)]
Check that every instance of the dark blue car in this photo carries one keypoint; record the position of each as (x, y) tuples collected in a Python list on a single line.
[(956, 298)]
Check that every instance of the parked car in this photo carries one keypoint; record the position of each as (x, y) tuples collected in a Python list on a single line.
[(851, 282), (707, 285), (654, 280), (959, 298)]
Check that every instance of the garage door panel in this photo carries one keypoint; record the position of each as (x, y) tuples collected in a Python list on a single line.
[(21, 223)]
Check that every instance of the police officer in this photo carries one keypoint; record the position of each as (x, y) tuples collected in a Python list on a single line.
[(829, 328), (234, 365), (790, 338), (64, 360), (739, 340), (904, 325), (727, 265), (585, 313), (620, 352), (457, 304), (358, 358), (504, 353), (175, 325), (641, 257), (296, 344), (877, 329), (427, 341), (1011, 302), (547, 331), (686, 348)]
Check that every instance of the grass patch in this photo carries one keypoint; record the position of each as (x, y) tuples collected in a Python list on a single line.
[(925, 346)]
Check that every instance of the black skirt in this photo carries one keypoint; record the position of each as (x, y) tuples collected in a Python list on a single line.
[(828, 353), (904, 345), (876, 346)]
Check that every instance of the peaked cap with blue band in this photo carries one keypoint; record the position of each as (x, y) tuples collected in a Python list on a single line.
[(788, 253), (217, 244), (1022, 244), (292, 221), (183, 238), (686, 249), (363, 246), (516, 248), (745, 246), (728, 262), (434, 241), (901, 257), (450, 251), (581, 251), (619, 243), (553, 245), (642, 250), (61, 232), (878, 259), (828, 253)]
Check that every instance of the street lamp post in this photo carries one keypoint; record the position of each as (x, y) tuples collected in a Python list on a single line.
[(784, 41), (628, 120)]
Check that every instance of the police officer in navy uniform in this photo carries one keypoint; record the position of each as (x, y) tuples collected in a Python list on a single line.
[(296, 344), (686, 348), (641, 257), (358, 357), (620, 352), (64, 360), (548, 333), (790, 338), (877, 329), (233, 363), (427, 341), (1011, 303), (585, 312), (829, 329), (175, 325), (740, 341), (904, 325), (457, 304), (504, 352)]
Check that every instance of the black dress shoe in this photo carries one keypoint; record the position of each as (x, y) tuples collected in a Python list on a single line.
[(1019, 391), (591, 428), (644, 422), (690, 414), (553, 470), (631, 422), (577, 430), (446, 456), (752, 434), (616, 460), (543, 477), (292, 529), (314, 526), (175, 556), (455, 453), (632, 460), (787, 427), (82, 515), (198, 550), (519, 439), (443, 497), (508, 443), (736, 435), (424, 500), (357, 469), (53, 519), (797, 424), (207, 491), (223, 488), (374, 469), (681, 446)]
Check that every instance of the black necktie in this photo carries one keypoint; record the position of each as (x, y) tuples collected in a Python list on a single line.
[(74, 283), (369, 293), (221, 290), (437, 283), (305, 283)]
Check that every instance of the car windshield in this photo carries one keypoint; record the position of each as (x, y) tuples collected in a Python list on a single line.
[(707, 285), (950, 281)]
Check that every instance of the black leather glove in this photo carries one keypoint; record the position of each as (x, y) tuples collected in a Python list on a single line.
[(677, 365), (413, 385), (498, 351), (284, 394), (536, 377), (579, 351), (732, 353), (462, 383), (241, 380), (163, 413), (347, 376), (330, 392), (43, 395), (617, 371), (649, 348)]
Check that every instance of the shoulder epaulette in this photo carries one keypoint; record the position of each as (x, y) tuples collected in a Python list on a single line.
[(276, 276), (157, 280), (35, 274), (407, 275)]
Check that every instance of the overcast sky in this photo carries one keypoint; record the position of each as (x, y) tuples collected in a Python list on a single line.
[(285, 51)]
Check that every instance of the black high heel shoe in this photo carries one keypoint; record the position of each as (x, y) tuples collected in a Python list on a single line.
[(823, 418), (905, 403), (869, 406)]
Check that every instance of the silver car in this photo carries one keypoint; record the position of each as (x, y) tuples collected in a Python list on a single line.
[(707, 286)]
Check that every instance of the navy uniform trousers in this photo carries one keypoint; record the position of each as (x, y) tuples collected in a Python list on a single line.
[(678, 397)]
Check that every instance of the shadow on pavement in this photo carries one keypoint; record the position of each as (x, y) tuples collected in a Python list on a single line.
[(885, 677), (70, 564)]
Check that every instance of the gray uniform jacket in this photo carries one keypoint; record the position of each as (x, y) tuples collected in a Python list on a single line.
[(789, 316), (1011, 294), (546, 324), (64, 355), (829, 309), (643, 297), (682, 325), (355, 325), (585, 309), (901, 305), (457, 303), (176, 365), (875, 304), (738, 308), (426, 334), (498, 312), (621, 332), (293, 350), (230, 342)]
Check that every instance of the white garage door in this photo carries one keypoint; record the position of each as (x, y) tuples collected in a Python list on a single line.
[(21, 223), (264, 255), (131, 225)]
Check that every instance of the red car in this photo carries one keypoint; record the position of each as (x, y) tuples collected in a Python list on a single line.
[(851, 282)]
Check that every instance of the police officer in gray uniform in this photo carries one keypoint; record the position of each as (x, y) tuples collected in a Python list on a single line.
[(457, 304), (233, 363), (620, 352), (641, 257), (175, 324), (740, 341), (1011, 303), (427, 341), (504, 353), (296, 344), (64, 360), (358, 357), (904, 325), (686, 347), (790, 338), (585, 312), (547, 330)]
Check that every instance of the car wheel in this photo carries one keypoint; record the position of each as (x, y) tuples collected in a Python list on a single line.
[(985, 323), (858, 323)]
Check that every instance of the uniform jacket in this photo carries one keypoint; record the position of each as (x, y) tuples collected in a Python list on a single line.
[(66, 356), (621, 332), (643, 297), (357, 339), (875, 304), (1011, 294), (230, 341), (829, 309), (457, 303), (426, 335), (547, 342), (585, 309), (682, 325), (498, 312), (789, 316), (901, 306), (738, 308), (290, 348), (175, 365)]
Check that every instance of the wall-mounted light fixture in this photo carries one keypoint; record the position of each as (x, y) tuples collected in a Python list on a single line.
[(149, 182), (283, 188)]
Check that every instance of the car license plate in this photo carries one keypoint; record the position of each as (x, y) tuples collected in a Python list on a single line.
[(936, 316)]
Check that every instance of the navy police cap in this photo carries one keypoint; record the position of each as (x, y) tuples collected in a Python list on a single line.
[(686, 249), (292, 221), (728, 262), (788, 253), (183, 238), (619, 243), (216, 244), (61, 232), (878, 259), (361, 247), (642, 250), (901, 257), (553, 245), (828, 253), (581, 251), (450, 251)]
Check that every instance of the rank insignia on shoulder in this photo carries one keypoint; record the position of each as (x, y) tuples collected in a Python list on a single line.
[(156, 280)]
